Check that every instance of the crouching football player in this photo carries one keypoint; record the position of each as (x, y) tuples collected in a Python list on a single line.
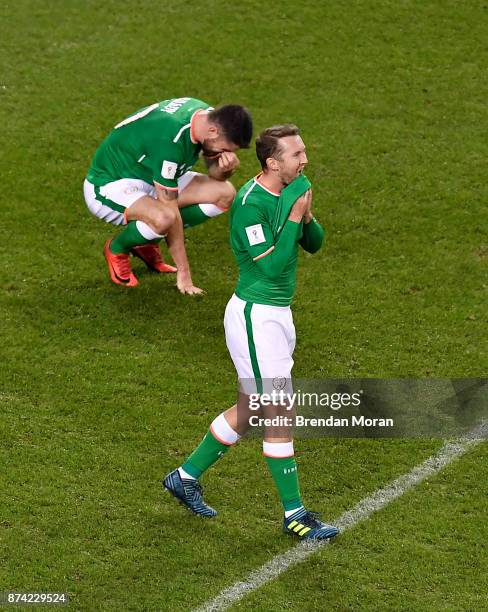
[(259, 329), (141, 178)]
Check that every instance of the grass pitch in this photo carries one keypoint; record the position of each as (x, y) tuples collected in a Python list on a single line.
[(103, 391)]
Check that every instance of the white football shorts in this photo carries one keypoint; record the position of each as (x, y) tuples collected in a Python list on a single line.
[(261, 340), (109, 202)]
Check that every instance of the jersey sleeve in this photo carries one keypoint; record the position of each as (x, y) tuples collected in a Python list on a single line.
[(255, 236), (166, 166), (313, 236), (253, 231)]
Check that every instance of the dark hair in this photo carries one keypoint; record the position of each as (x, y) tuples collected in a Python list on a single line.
[(268, 142), (235, 122)]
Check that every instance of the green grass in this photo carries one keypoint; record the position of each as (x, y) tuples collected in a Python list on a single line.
[(425, 551), (102, 391)]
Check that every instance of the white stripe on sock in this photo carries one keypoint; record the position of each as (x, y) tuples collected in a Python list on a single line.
[(223, 431), (211, 210), (184, 474), (278, 450), (146, 231), (290, 512)]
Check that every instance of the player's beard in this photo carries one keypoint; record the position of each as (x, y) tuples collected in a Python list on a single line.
[(207, 149), (289, 178)]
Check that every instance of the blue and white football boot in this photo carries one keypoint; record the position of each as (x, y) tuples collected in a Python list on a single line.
[(307, 526), (189, 492)]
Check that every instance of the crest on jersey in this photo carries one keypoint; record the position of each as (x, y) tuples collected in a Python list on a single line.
[(168, 170), (255, 234)]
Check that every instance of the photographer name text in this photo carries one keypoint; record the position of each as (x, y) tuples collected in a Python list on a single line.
[(330, 421)]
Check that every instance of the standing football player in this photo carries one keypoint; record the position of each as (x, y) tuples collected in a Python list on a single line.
[(141, 177), (258, 322)]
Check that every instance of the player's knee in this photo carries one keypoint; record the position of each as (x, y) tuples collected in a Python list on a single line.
[(226, 195), (163, 219)]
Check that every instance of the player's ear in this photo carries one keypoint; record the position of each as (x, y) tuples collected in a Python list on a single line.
[(213, 130), (272, 164)]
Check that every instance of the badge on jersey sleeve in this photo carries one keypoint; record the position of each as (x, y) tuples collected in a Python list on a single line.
[(255, 234), (168, 170)]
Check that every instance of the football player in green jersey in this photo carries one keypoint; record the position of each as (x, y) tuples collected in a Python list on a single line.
[(141, 177), (270, 217)]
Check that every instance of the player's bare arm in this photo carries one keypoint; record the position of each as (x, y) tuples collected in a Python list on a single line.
[(165, 195), (176, 245), (175, 240)]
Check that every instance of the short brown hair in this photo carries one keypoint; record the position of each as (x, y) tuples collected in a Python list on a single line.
[(268, 142)]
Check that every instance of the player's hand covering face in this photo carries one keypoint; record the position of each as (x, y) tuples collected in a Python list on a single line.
[(213, 147), (228, 161)]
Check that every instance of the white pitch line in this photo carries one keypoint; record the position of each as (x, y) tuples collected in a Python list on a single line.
[(379, 499)]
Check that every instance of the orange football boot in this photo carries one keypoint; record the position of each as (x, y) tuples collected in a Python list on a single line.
[(151, 256), (119, 267)]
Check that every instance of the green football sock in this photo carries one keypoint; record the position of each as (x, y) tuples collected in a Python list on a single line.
[(128, 238), (205, 455), (285, 475), (193, 215)]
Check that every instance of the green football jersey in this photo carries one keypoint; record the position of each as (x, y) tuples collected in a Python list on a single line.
[(155, 144), (251, 220)]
